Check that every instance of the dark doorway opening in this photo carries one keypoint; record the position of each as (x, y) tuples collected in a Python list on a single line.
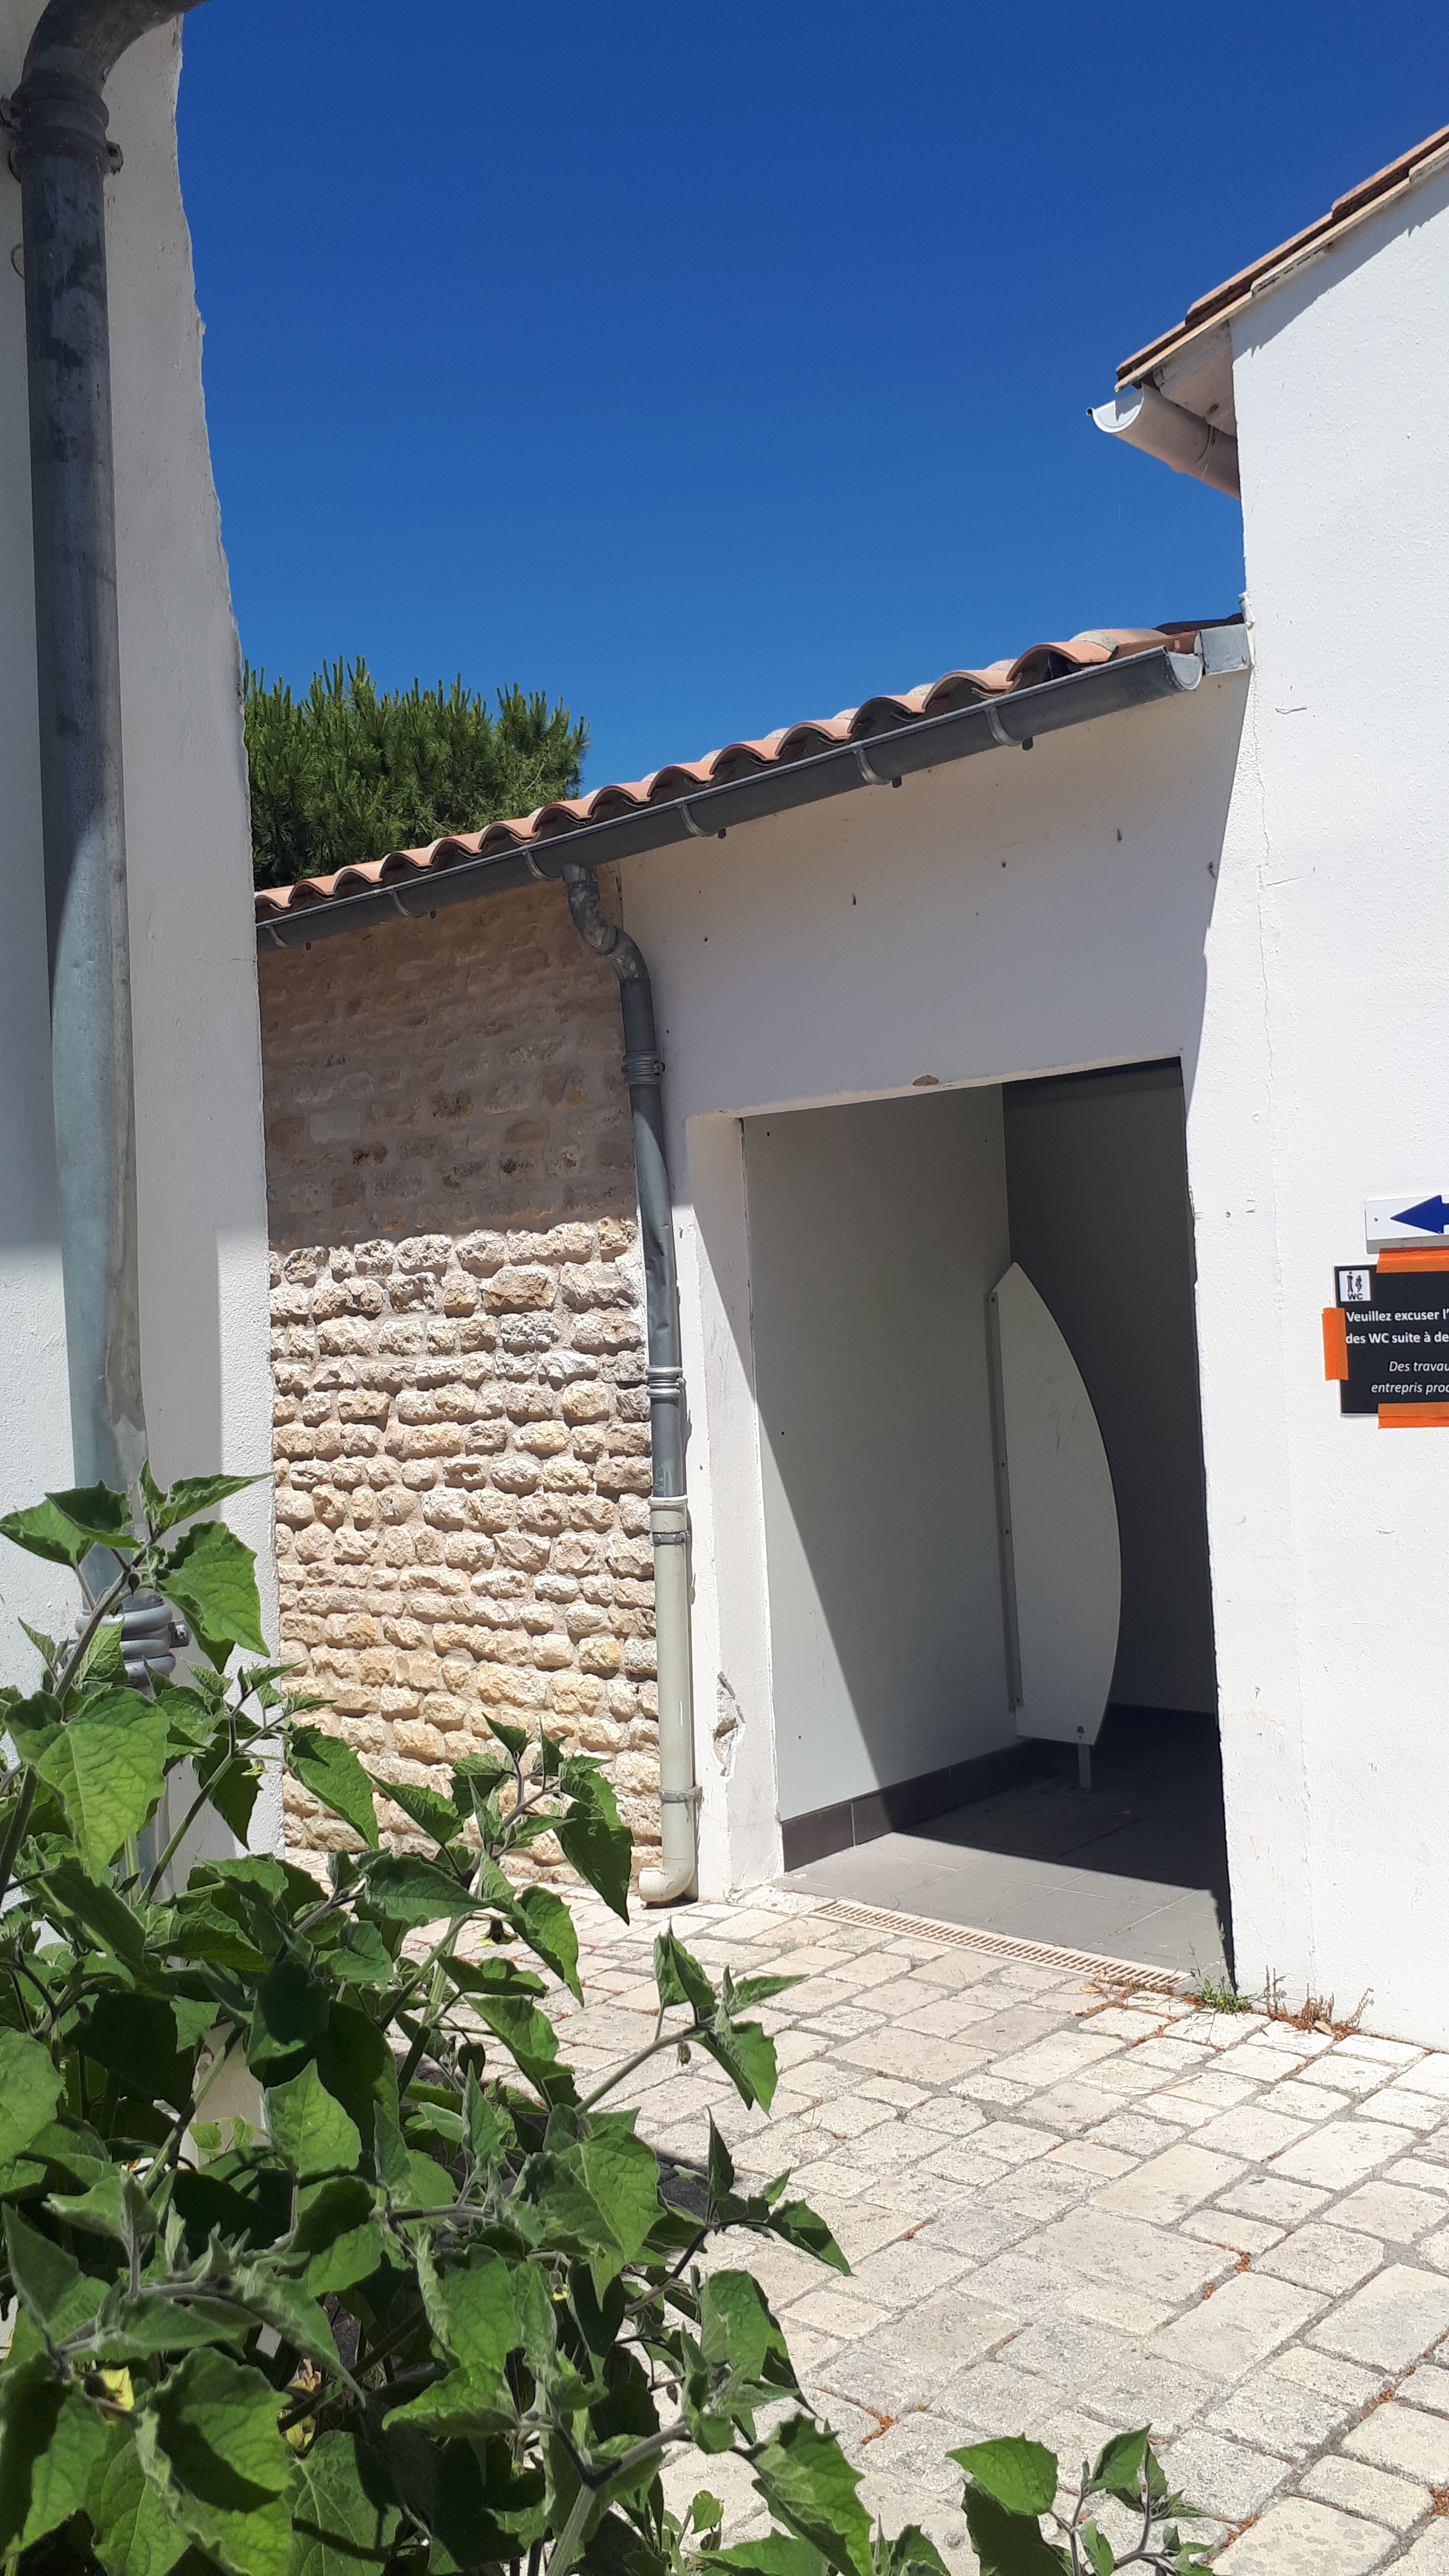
[(875, 1232)]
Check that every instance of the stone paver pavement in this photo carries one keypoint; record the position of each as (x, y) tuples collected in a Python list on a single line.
[(1070, 2210)]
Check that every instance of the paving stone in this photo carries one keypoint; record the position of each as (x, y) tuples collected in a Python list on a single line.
[(1166, 2187), (1302, 2099), (1271, 2198), (1133, 2133), (1271, 2411), (1014, 2142), (1216, 2088), (979, 2086), (1428, 2556), (1335, 2259), (893, 2371), (1430, 2075), (1085, 2156), (900, 2275), (838, 2311), (1403, 2438), (1054, 2060), (1386, 2209), (1329, 2375), (1173, 2056), (1041, 2190), (1253, 2133), (1398, 2503), (1427, 2385), (1221, 2477), (1115, 2375), (1297, 2538), (1341, 2154), (1228, 2334), (1108, 2247), (1391, 2321), (1221, 2227), (979, 2228), (1392, 2052)]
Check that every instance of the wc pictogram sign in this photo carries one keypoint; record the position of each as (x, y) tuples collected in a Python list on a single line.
[(1386, 1339)]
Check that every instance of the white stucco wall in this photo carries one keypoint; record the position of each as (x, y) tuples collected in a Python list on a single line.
[(198, 1065), (1012, 914), (876, 1232), (1323, 1078)]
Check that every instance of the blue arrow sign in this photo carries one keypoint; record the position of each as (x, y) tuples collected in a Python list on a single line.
[(1430, 1215)]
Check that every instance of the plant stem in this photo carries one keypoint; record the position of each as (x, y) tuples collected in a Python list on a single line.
[(640, 2059), (15, 1833)]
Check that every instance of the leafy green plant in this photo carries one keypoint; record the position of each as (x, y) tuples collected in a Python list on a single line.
[(1012, 2486), (427, 2304), (349, 771)]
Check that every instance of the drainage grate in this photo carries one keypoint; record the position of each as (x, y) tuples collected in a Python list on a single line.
[(1151, 1981)]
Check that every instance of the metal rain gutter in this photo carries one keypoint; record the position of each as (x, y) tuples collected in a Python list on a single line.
[(1013, 722)]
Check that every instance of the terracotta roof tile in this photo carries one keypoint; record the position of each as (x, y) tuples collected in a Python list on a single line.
[(1221, 300), (737, 760)]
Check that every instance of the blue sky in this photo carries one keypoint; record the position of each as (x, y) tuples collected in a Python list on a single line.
[(712, 366)]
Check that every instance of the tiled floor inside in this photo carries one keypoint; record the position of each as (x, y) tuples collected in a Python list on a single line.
[(1069, 2212), (1135, 1868)]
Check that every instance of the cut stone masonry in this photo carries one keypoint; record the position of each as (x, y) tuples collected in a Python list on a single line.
[(462, 1430)]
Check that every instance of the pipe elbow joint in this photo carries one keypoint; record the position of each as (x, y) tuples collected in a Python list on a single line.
[(666, 1886)]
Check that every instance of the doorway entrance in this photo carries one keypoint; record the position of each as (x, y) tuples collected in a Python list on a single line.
[(878, 1232)]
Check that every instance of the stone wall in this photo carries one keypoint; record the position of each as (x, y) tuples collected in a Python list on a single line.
[(462, 1436)]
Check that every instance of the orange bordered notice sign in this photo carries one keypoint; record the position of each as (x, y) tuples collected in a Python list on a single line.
[(1386, 1339)]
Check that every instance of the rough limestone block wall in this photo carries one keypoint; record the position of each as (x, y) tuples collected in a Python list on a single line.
[(462, 1433)]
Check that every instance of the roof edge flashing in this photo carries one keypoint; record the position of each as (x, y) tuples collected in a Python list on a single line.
[(1142, 417)]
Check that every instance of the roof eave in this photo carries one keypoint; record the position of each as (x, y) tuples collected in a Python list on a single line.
[(1012, 721)]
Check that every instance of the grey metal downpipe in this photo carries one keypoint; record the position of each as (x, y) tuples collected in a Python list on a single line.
[(668, 1508), (61, 158)]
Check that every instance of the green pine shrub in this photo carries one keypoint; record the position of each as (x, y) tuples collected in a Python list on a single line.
[(349, 772), (440, 2308)]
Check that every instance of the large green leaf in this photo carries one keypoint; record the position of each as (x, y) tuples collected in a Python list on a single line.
[(212, 1577), (592, 1836), (208, 2440), (798, 2224), (747, 2054), (1006, 2543), (404, 1888), (737, 2328), (1119, 2467), (104, 1915), (344, 2515), (135, 2037), (188, 1496), (65, 1527), (48, 2450), (30, 2087), (477, 2315), (134, 2533), (775, 2553), (1022, 2475), (433, 1814), (548, 1928), (34, 1723), (331, 1770), (623, 2179), (108, 1769), (805, 2478), (310, 2131)]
